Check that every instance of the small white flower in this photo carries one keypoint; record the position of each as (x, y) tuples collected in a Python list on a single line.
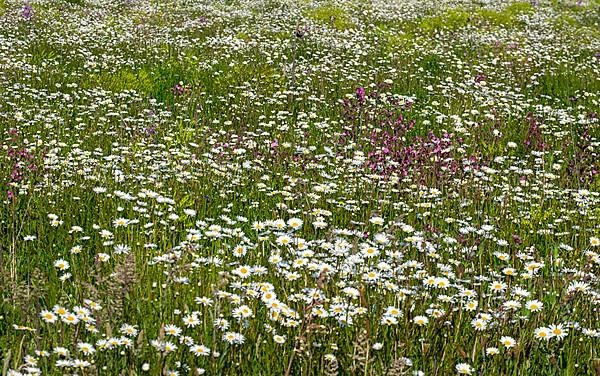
[(464, 369), (420, 320), (61, 264)]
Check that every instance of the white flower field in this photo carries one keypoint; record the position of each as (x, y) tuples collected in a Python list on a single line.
[(299, 187)]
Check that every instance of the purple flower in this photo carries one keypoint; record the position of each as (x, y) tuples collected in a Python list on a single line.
[(180, 89), (151, 130), (27, 12), (360, 94)]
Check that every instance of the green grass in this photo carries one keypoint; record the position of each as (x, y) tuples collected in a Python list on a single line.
[(457, 18), (126, 80), (452, 19), (330, 15)]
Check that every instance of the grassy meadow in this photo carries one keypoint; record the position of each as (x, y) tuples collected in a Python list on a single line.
[(299, 187)]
